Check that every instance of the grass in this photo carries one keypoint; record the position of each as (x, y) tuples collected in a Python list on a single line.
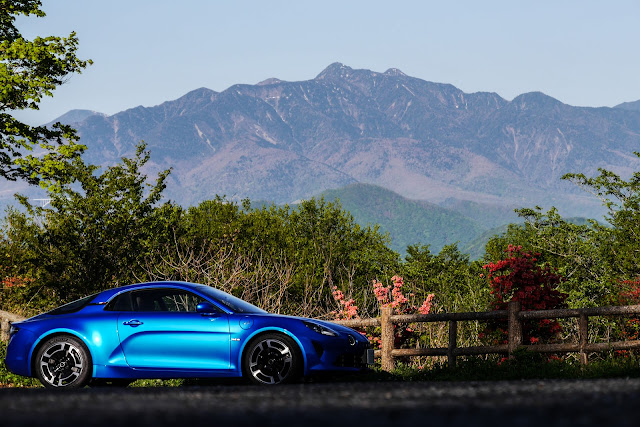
[(525, 365)]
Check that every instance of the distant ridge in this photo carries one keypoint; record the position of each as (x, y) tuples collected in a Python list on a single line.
[(75, 116), (631, 106)]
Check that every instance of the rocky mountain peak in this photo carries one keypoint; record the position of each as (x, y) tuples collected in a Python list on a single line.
[(75, 116), (394, 72), (337, 70), (535, 100), (271, 81)]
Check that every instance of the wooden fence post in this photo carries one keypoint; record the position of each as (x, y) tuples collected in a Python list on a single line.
[(514, 327), (6, 319), (4, 329), (583, 337), (453, 339), (387, 338)]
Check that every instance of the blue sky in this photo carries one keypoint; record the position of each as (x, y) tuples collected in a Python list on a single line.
[(146, 52)]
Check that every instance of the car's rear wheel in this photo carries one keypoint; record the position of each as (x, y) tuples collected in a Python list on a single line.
[(272, 359), (63, 362)]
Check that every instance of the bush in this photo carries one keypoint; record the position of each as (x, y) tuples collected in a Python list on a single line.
[(519, 278)]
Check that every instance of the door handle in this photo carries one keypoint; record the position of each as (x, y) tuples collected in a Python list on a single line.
[(212, 316), (133, 322)]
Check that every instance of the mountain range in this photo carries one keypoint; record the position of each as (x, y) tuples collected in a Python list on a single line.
[(472, 154)]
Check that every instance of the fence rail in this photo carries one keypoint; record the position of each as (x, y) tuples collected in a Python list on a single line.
[(514, 317)]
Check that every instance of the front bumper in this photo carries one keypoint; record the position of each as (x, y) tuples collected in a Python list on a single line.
[(339, 353)]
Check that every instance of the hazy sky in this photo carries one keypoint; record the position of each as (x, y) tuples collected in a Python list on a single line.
[(146, 52)]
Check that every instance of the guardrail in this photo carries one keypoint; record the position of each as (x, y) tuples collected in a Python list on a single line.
[(6, 319), (514, 317)]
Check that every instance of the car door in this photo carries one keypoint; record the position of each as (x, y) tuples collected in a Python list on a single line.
[(159, 328)]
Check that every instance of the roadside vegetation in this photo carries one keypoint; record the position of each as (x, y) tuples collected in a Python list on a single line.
[(525, 366)]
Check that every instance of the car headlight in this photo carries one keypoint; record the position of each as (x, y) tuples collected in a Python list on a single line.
[(320, 329)]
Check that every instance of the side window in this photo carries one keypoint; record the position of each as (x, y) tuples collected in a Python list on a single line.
[(157, 299), (165, 299), (121, 302), (181, 301)]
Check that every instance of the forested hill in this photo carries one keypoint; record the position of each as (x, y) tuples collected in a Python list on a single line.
[(408, 222)]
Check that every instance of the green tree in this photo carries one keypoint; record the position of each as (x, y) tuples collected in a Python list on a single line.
[(573, 249), (596, 258), (96, 232), (30, 70), (618, 241), (333, 250), (280, 258), (455, 281)]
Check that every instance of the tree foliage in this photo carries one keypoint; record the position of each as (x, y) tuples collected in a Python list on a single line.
[(594, 257), (282, 258), (93, 235), (617, 241), (29, 71), (454, 280), (109, 228)]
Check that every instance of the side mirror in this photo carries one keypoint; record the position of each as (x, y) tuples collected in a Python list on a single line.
[(205, 307)]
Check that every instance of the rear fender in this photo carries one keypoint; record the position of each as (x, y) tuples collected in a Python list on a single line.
[(50, 334)]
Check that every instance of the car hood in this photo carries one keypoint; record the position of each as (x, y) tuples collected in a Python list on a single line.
[(336, 327)]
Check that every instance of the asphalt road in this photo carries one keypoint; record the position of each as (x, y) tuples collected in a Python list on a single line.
[(545, 403)]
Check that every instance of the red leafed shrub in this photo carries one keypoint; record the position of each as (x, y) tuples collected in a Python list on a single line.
[(13, 292), (630, 294), (519, 278), (15, 282), (629, 327)]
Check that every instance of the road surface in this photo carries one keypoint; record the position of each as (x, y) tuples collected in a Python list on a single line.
[(546, 403)]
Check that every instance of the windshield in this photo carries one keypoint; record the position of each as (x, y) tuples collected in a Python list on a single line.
[(229, 301)]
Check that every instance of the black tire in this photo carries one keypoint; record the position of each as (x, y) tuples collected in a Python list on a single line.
[(272, 359), (63, 362)]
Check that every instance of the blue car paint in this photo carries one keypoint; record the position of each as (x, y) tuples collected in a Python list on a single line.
[(182, 346), (190, 339)]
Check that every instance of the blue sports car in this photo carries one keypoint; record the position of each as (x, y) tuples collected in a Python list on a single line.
[(176, 330)]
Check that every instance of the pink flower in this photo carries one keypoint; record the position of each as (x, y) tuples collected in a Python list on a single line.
[(425, 308)]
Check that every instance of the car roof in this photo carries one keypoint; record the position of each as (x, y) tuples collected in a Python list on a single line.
[(105, 296)]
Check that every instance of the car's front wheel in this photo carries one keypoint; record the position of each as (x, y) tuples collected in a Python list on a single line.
[(63, 362), (272, 359)]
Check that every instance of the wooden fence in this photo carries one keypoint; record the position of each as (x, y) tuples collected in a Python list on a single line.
[(514, 317)]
